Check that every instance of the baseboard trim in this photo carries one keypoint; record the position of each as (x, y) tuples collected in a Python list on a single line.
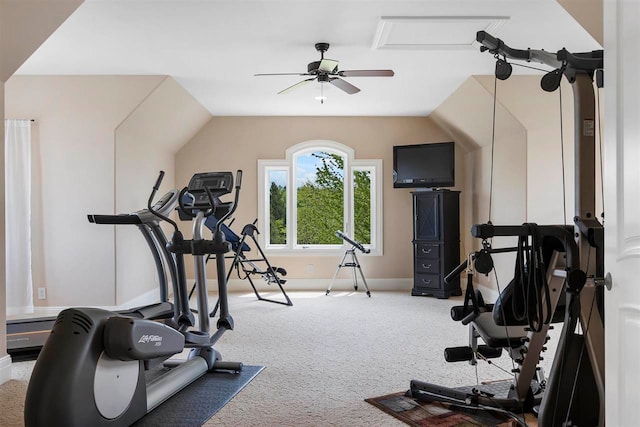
[(47, 311), (238, 285), (149, 297), (17, 310), (5, 369)]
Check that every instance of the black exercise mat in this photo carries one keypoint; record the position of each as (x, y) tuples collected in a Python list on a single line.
[(199, 401)]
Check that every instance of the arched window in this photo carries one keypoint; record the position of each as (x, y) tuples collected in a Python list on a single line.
[(318, 189)]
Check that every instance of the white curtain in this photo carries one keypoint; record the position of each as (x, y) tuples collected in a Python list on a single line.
[(17, 151)]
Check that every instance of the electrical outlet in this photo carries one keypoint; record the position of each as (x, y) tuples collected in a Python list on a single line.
[(309, 268), (42, 293)]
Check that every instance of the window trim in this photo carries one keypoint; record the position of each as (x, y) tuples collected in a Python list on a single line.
[(263, 202), (288, 164)]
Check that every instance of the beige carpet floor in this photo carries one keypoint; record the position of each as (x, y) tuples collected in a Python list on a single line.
[(324, 356)]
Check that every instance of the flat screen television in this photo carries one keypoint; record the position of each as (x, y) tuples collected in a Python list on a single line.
[(424, 165)]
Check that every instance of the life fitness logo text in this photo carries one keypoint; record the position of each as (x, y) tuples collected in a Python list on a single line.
[(155, 339)]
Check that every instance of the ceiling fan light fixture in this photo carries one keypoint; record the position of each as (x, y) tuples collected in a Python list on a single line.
[(326, 71)]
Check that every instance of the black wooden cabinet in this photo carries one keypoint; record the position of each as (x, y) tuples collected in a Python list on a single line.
[(436, 242)]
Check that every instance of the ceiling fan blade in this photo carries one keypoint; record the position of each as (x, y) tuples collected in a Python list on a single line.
[(327, 65), (290, 88), (344, 85), (283, 74), (366, 73)]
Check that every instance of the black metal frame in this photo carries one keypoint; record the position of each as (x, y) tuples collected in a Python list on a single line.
[(270, 274)]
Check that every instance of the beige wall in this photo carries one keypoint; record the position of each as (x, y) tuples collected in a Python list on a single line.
[(98, 145), (528, 171), (145, 143), (24, 25), (126, 118), (75, 122), (230, 143), (538, 111), (468, 115), (589, 14)]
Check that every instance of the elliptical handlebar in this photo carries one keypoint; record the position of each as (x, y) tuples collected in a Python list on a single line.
[(238, 179), (114, 219), (235, 201), (158, 181), (151, 208)]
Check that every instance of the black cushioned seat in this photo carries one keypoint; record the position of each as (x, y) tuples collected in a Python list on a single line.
[(498, 336)]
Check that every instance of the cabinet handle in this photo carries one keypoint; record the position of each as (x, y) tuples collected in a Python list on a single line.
[(428, 267), (426, 251), (426, 281)]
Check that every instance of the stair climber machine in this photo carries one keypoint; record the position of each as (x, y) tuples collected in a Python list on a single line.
[(100, 368)]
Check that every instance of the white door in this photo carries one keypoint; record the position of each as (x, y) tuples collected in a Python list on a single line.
[(622, 210)]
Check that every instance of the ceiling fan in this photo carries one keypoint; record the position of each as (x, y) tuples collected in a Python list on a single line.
[(326, 71)]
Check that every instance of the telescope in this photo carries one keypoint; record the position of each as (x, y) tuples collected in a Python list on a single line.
[(352, 262), (354, 243)]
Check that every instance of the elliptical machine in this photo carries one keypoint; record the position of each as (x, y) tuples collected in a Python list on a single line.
[(99, 368)]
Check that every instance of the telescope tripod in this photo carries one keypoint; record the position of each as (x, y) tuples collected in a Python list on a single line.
[(353, 263)]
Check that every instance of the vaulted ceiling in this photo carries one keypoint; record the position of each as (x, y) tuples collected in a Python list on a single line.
[(213, 48)]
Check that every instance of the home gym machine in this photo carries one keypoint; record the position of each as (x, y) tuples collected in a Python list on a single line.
[(352, 262), (553, 263), (99, 368), (25, 337)]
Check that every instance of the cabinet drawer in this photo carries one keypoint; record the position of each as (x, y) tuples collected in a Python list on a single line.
[(424, 250), (428, 281), (427, 265)]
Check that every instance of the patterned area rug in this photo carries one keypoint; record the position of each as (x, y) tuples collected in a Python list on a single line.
[(422, 414)]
